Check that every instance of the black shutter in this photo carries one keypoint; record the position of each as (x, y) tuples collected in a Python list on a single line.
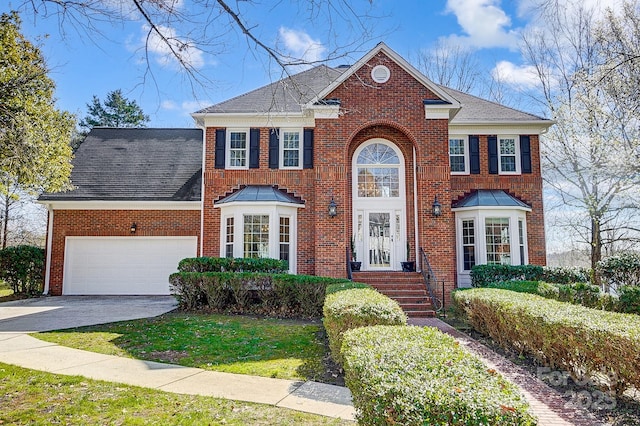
[(254, 148), (274, 149), (525, 153), (308, 149), (493, 155), (474, 154), (221, 140)]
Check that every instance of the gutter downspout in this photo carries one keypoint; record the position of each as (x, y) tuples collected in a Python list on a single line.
[(202, 194), (415, 204), (47, 274)]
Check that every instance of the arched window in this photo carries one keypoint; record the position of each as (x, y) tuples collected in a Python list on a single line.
[(378, 172)]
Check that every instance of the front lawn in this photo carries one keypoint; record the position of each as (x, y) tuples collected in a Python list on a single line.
[(35, 397), (235, 344)]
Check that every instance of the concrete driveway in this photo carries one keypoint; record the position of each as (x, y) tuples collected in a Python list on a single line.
[(58, 312)]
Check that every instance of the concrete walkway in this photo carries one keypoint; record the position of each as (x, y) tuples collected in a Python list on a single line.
[(20, 317)]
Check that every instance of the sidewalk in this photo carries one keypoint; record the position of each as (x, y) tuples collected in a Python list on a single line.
[(546, 404), (317, 398)]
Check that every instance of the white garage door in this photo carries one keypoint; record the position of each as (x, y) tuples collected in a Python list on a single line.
[(131, 266)]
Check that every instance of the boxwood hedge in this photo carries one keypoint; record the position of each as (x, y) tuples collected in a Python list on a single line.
[(402, 375), (580, 340), (223, 264), (354, 308), (281, 295)]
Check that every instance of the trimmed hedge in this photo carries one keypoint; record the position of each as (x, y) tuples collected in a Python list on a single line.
[(484, 275), (580, 340), (347, 285), (621, 270), (420, 376), (354, 308), (281, 295), (223, 264), (22, 267)]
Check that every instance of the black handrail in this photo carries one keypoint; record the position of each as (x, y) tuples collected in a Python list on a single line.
[(429, 279), (349, 271)]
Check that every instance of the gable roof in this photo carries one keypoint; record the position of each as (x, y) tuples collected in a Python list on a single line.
[(410, 69), (136, 165), (294, 94)]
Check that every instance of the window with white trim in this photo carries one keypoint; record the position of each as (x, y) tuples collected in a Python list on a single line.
[(290, 149), (459, 155), (498, 241), (378, 169), (522, 242), (468, 244), (285, 237), (237, 149), (228, 248), (489, 236), (508, 154), (257, 230)]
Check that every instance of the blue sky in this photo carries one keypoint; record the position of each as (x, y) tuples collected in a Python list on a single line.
[(110, 58)]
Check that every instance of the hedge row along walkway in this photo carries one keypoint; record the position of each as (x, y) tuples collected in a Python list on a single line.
[(546, 404)]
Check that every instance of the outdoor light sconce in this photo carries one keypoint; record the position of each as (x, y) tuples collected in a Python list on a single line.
[(333, 208), (436, 207), (133, 228)]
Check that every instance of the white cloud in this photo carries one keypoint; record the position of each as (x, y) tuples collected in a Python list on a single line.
[(300, 45), (168, 105), (484, 22), (192, 106), (162, 49), (524, 76)]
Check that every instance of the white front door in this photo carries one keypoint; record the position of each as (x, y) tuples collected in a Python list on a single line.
[(379, 241)]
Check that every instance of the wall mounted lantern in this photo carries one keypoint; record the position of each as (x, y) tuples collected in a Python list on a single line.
[(333, 208), (436, 207), (133, 228)]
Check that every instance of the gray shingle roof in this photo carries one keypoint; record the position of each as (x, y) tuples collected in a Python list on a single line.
[(290, 94), (136, 164), (475, 109), (490, 198), (286, 95), (259, 193)]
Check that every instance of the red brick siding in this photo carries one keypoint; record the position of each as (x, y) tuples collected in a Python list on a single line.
[(393, 111), (114, 223)]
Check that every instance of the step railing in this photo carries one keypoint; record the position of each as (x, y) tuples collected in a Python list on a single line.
[(430, 280), (349, 271)]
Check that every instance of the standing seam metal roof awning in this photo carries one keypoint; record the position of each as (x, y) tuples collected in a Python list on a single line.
[(490, 198), (259, 194)]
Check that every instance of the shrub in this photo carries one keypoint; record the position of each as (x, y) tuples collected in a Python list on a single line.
[(282, 295), (540, 288), (347, 285), (580, 340), (629, 299), (483, 275), (223, 264), (621, 270), (22, 267), (420, 376), (580, 294), (558, 275), (354, 308)]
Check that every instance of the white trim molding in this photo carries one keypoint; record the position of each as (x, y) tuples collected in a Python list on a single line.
[(122, 205)]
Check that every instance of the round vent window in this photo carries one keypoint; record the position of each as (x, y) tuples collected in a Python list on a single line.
[(380, 74)]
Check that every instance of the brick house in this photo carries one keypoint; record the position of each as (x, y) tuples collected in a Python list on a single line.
[(377, 143)]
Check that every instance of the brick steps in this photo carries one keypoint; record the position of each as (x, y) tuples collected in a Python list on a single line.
[(407, 288)]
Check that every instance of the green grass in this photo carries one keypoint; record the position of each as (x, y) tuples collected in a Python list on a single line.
[(235, 344), (6, 293), (34, 397)]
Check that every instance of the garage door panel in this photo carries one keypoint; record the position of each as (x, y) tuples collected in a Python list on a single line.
[(127, 266)]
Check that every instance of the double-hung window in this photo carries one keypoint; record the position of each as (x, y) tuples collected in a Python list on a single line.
[(508, 155), (291, 148), (459, 155), (237, 149)]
